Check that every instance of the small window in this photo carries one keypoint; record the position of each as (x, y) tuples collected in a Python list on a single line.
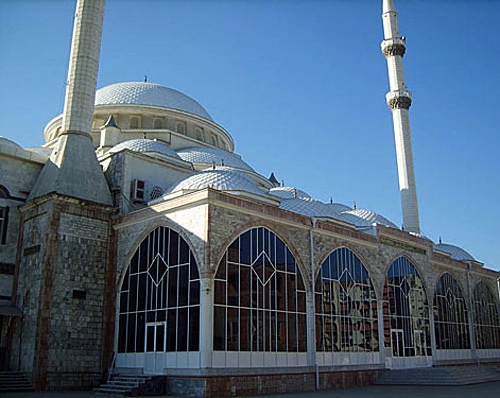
[(180, 127), (213, 139), (156, 192), (198, 133), (4, 218), (223, 144), (158, 124), (134, 122)]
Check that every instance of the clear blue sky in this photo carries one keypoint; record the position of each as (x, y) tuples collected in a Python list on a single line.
[(300, 85)]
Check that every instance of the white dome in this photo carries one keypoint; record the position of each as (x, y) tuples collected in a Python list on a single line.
[(308, 207), (221, 179), (44, 151), (457, 253), (354, 219), (369, 217), (339, 207), (144, 145), (288, 193), (10, 143), (138, 93), (213, 155)]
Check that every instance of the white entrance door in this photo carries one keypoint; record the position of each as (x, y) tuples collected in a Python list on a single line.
[(155, 347), (408, 351)]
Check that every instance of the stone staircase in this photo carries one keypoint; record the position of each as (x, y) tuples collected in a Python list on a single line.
[(14, 382), (440, 376), (121, 385)]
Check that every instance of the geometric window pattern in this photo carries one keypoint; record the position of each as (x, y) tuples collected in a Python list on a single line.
[(160, 291), (346, 305), (486, 319), (406, 311), (260, 298), (451, 324)]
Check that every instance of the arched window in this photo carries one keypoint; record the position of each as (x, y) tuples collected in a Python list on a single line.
[(260, 298), (406, 311), (158, 124), (134, 122), (486, 320), (451, 325), (346, 305), (160, 297), (198, 131), (180, 127)]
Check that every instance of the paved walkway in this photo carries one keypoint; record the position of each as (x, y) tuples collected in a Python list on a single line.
[(485, 390)]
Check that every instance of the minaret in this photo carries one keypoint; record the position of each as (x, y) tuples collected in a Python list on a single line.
[(399, 101), (73, 169)]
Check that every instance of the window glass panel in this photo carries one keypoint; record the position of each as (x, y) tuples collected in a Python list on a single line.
[(346, 298), (486, 318), (450, 315), (260, 282), (406, 312), (152, 284)]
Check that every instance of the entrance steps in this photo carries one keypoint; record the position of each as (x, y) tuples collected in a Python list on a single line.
[(440, 376), (121, 385), (14, 382)]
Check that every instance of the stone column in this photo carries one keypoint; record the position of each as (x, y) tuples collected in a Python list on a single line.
[(206, 321)]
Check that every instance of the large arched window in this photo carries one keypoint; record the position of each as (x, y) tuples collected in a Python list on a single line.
[(451, 325), (346, 305), (406, 311), (160, 297), (260, 298), (486, 320)]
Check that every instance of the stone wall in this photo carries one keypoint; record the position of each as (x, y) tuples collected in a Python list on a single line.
[(63, 290)]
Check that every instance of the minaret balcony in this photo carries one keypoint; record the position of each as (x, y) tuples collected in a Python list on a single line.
[(398, 99), (392, 47)]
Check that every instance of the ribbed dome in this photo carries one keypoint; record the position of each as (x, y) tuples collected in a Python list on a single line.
[(221, 179), (213, 155), (369, 217), (457, 253), (138, 93), (10, 143), (308, 207), (144, 145), (339, 207), (288, 193)]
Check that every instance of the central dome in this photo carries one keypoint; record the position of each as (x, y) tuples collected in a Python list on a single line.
[(149, 94)]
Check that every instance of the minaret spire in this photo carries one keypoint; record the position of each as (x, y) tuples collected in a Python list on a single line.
[(399, 101), (73, 169)]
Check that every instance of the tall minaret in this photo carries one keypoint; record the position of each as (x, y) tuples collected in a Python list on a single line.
[(73, 169), (399, 101)]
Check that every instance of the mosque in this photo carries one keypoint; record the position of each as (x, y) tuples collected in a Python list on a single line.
[(135, 241)]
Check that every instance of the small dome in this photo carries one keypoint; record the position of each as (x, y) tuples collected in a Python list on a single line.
[(138, 93), (45, 151), (220, 179), (457, 253), (308, 207), (370, 217), (10, 143), (213, 155), (289, 193), (354, 219), (339, 207), (144, 145)]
